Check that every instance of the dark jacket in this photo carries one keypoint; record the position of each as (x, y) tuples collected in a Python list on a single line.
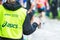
[(28, 5), (27, 27)]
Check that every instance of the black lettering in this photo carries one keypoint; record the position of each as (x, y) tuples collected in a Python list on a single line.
[(10, 25), (3, 25)]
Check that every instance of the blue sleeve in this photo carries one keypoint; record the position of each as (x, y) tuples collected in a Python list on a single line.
[(24, 1)]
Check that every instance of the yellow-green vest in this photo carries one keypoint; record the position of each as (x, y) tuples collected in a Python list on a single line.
[(11, 22)]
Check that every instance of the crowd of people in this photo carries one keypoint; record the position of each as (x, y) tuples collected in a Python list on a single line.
[(17, 17)]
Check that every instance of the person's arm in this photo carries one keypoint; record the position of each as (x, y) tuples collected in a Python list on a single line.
[(32, 6), (27, 27)]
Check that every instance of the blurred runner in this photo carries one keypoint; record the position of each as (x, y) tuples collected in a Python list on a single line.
[(41, 6)]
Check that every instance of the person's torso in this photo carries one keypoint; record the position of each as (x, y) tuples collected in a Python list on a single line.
[(41, 3), (11, 23)]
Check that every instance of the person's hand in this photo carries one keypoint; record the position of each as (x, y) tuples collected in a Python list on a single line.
[(29, 11)]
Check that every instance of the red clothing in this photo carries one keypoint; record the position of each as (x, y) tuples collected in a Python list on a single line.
[(41, 3)]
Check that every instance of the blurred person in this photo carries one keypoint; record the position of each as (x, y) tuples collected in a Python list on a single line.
[(41, 7), (14, 21), (53, 8)]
